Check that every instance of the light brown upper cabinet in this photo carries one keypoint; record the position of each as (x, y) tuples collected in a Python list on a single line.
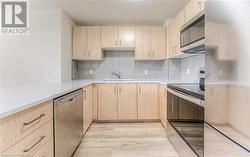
[(107, 101), (148, 101), (193, 8), (118, 37), (127, 101), (142, 50), (87, 43), (174, 29), (79, 43), (150, 43), (109, 36)]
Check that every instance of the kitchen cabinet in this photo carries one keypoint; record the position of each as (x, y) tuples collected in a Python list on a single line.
[(163, 104), (174, 29), (118, 37), (148, 101), (87, 108), (193, 8), (127, 37), (20, 131), (87, 43), (79, 43), (158, 43), (127, 101), (150, 43), (142, 50), (94, 99), (107, 101), (109, 36)]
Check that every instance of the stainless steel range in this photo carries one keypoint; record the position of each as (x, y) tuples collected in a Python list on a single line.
[(185, 114)]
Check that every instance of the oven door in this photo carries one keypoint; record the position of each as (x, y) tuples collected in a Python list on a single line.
[(186, 117)]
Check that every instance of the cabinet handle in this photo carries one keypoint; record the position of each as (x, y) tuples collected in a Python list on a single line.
[(115, 89), (120, 42), (39, 117), (27, 150), (199, 5), (153, 53), (88, 53), (120, 89), (85, 94), (115, 42), (139, 89)]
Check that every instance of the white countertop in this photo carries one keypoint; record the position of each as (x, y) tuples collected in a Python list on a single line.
[(16, 99)]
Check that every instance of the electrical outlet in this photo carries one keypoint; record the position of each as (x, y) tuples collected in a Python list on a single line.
[(188, 71), (146, 72), (91, 71)]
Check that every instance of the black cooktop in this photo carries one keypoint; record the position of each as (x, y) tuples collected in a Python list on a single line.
[(192, 89)]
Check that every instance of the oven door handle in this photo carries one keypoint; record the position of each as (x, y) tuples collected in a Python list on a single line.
[(187, 97)]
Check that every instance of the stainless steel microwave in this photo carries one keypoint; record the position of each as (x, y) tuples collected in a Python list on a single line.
[(192, 37)]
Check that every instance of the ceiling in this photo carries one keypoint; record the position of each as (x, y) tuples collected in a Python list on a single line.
[(115, 12)]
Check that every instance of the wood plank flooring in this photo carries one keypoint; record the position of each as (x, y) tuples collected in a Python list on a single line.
[(126, 140)]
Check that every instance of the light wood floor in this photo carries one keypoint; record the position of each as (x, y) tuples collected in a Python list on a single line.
[(126, 140)]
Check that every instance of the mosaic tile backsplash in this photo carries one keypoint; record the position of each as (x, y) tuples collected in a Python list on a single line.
[(174, 70), (119, 61)]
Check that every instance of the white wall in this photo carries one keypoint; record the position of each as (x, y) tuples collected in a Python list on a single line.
[(66, 47), (36, 58)]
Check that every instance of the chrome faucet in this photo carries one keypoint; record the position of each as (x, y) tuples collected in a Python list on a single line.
[(118, 75)]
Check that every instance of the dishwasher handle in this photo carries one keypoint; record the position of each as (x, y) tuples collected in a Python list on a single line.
[(67, 98)]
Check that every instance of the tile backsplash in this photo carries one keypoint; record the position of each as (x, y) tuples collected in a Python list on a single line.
[(185, 69), (119, 61), (172, 70)]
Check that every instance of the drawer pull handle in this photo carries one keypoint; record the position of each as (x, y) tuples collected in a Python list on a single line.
[(27, 150), (28, 123)]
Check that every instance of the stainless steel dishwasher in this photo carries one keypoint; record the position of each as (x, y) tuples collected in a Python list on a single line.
[(68, 123)]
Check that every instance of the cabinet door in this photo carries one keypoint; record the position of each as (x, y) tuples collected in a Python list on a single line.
[(127, 37), (89, 96), (109, 36), (193, 8), (172, 107), (158, 43), (107, 102), (94, 51), (127, 101), (170, 40), (79, 43), (163, 105), (142, 50), (147, 101), (179, 22), (94, 101)]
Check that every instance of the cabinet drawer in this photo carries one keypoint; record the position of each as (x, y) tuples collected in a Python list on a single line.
[(32, 143), (46, 150), (17, 126)]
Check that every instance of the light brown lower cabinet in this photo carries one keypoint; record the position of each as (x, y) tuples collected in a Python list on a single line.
[(163, 104), (127, 101), (46, 151), (148, 101), (87, 108), (94, 99), (107, 101), (32, 143)]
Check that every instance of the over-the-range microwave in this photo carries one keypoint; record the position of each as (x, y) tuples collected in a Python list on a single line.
[(192, 37)]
